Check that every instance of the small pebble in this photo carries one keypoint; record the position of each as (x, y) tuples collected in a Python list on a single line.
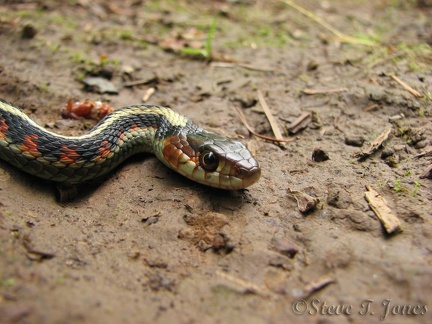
[(28, 32), (312, 65), (319, 155), (99, 85), (354, 140), (150, 220), (421, 144), (186, 234), (401, 147), (388, 151), (284, 246)]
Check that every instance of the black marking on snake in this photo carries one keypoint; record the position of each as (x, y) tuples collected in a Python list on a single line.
[(166, 129)]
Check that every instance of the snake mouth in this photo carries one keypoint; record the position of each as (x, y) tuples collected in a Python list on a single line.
[(240, 179), (251, 176)]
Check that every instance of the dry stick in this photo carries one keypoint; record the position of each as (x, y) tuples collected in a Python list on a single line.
[(300, 123), (382, 210), (425, 153), (148, 94), (255, 68), (371, 107), (342, 37), (245, 285), (374, 145), (336, 126), (414, 92), (273, 124), (317, 285), (242, 65), (385, 59), (137, 83), (427, 173), (323, 91), (250, 129)]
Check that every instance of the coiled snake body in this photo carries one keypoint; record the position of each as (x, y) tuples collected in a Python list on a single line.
[(181, 145)]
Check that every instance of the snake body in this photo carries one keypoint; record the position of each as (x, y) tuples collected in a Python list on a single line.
[(181, 145)]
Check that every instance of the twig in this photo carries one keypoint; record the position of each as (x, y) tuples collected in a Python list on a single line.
[(371, 107), (342, 37), (242, 65), (374, 146), (427, 173), (148, 94), (247, 286), (414, 92), (315, 286), (273, 123), (139, 82), (250, 129), (425, 153), (336, 124), (255, 68), (323, 91), (381, 209), (300, 123), (385, 59)]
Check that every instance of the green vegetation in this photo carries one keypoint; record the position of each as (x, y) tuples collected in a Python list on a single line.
[(44, 87), (398, 185), (206, 52), (9, 282), (416, 188)]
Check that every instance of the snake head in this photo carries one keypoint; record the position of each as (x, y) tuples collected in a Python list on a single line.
[(210, 159)]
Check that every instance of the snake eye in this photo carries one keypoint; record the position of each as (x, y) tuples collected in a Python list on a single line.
[(209, 161)]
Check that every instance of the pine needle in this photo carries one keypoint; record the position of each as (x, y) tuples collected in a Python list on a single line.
[(341, 36)]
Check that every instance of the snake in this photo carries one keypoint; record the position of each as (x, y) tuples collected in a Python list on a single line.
[(198, 154)]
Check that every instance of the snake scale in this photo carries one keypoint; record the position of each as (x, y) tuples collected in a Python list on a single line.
[(184, 147)]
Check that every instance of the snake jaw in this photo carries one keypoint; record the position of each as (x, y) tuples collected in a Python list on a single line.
[(235, 168)]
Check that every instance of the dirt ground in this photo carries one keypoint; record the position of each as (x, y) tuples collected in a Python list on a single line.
[(146, 245)]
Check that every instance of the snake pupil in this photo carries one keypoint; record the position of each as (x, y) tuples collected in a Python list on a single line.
[(209, 161)]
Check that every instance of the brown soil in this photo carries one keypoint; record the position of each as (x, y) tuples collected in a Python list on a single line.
[(147, 245)]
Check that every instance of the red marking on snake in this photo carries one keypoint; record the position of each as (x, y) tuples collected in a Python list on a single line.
[(3, 128), (171, 153), (29, 145), (189, 151), (68, 155), (104, 150), (173, 149), (133, 127), (121, 136)]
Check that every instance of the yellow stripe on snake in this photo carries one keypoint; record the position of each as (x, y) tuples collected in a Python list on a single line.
[(184, 147)]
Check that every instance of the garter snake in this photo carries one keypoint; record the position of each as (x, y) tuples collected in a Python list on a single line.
[(181, 145)]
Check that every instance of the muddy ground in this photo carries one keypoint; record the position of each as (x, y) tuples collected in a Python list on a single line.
[(146, 245)]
